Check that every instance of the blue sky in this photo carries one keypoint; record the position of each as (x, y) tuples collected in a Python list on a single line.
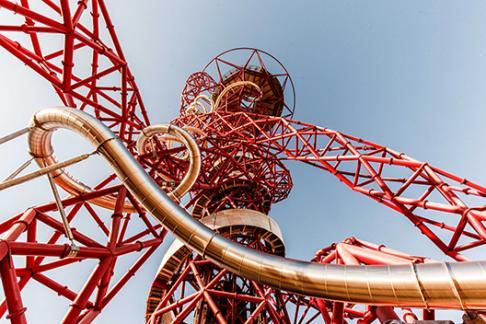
[(407, 74)]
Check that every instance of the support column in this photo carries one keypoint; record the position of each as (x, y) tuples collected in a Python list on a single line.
[(16, 309)]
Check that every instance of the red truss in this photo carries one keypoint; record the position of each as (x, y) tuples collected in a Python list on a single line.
[(243, 167), (353, 251), (426, 195), (276, 95), (197, 84), (42, 255), (102, 86), (234, 174)]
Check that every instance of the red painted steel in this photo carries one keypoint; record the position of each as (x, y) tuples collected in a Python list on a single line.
[(421, 192), (207, 293), (353, 251), (244, 143), (104, 85)]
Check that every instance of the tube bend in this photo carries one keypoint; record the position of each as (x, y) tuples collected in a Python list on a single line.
[(434, 285), (194, 156), (41, 149), (231, 87)]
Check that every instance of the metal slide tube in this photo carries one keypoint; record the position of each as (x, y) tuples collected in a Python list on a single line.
[(232, 86), (44, 156), (194, 156), (430, 285)]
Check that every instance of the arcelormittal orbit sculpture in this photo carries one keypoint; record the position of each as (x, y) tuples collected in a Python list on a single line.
[(210, 177)]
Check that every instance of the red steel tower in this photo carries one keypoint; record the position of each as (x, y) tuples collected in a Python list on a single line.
[(238, 183), (222, 163)]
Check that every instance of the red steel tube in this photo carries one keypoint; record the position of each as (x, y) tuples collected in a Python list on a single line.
[(11, 289)]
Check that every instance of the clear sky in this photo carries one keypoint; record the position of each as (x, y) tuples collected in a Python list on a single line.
[(407, 74)]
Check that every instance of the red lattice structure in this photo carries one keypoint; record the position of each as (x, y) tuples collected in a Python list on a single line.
[(189, 287), (353, 251), (29, 257), (197, 84), (417, 190), (239, 110), (87, 69)]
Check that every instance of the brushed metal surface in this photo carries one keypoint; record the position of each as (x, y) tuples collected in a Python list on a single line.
[(434, 285), (41, 149)]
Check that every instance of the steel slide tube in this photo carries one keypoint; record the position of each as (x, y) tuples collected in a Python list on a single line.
[(194, 156), (430, 285), (44, 156)]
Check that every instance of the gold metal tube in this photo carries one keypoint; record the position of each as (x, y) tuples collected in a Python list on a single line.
[(232, 86), (430, 285), (44, 155), (194, 156)]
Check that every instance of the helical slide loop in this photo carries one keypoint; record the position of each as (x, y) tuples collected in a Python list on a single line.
[(233, 86), (166, 133), (43, 153), (434, 285), (198, 107), (179, 135)]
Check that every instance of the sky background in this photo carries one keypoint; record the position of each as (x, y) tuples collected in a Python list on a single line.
[(410, 75)]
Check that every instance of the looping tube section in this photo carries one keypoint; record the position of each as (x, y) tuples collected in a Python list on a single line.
[(430, 285), (43, 153), (233, 86), (194, 156), (168, 131)]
